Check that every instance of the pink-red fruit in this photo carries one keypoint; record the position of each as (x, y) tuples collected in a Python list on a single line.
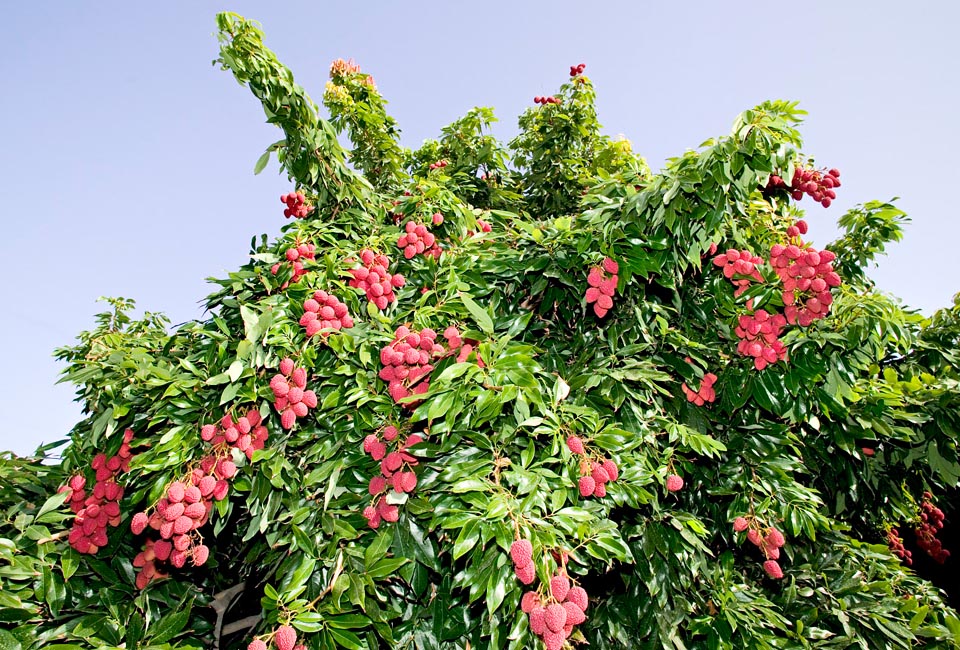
[(285, 638), (674, 483)]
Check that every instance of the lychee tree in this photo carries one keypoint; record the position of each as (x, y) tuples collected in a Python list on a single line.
[(504, 395)]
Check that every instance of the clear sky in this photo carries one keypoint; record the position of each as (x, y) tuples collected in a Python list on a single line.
[(127, 158)]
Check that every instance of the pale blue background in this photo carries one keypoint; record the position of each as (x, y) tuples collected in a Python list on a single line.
[(127, 158)]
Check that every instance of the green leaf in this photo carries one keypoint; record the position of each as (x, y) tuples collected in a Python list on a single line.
[(480, 315), (261, 162)]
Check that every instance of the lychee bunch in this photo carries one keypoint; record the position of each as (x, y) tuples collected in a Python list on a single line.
[(374, 279), (291, 397), (705, 393), (807, 275), (895, 542), (440, 164), (179, 514), (184, 509), (820, 186), (547, 100), (296, 205), (931, 521), (595, 474), (601, 286), (396, 472), (759, 335), (102, 507), (247, 434), (417, 240), (554, 617), (740, 267), (484, 226), (407, 361), (769, 540), (577, 69), (295, 256), (324, 312)]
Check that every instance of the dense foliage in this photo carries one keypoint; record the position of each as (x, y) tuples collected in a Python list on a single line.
[(478, 378)]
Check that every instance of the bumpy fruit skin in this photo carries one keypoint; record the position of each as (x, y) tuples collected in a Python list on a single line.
[(257, 644), (537, 623), (575, 615), (740, 524), (556, 617), (530, 600), (773, 569), (575, 445), (587, 486), (578, 596), (521, 552), (674, 483), (285, 638), (526, 575), (559, 587)]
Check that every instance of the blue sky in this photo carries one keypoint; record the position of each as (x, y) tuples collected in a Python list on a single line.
[(128, 158)]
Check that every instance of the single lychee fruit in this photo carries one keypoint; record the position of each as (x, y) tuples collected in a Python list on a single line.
[(740, 524), (285, 638), (575, 615), (674, 483), (529, 601), (521, 552), (257, 644), (555, 617), (559, 587), (587, 486), (575, 444), (578, 596), (773, 569)]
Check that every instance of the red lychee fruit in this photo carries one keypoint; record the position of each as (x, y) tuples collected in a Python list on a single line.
[(521, 552), (555, 617), (559, 587), (740, 524), (773, 569), (285, 638), (674, 483), (575, 445)]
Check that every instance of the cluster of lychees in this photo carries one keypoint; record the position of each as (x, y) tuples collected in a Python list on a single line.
[(484, 226), (284, 638), (183, 510), (417, 240), (296, 255), (374, 279), (740, 267), (553, 618), (577, 69), (396, 472), (102, 507), (769, 542), (291, 397), (759, 335), (324, 311), (807, 275), (705, 393), (895, 542), (296, 205), (407, 359), (602, 285), (440, 164), (820, 186), (247, 434), (595, 472), (547, 100), (931, 521)]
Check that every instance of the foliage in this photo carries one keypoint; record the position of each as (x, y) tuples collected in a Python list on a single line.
[(830, 445)]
